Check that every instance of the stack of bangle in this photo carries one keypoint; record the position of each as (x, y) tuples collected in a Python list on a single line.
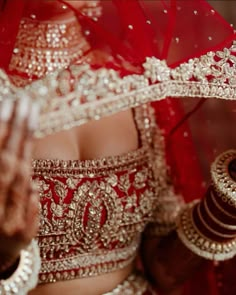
[(25, 276), (208, 227), (223, 183)]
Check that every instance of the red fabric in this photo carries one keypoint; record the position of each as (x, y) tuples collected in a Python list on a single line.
[(132, 30), (83, 213), (10, 16)]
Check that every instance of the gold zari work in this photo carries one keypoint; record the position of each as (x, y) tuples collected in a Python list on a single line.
[(70, 97), (85, 93), (200, 244), (42, 48), (223, 183), (93, 212)]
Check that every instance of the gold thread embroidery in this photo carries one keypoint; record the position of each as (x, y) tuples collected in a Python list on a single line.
[(94, 94), (78, 94), (42, 48), (93, 212)]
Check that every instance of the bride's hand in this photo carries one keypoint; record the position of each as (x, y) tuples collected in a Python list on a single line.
[(18, 201)]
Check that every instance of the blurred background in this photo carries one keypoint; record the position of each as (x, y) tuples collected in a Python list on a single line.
[(227, 8), (213, 125)]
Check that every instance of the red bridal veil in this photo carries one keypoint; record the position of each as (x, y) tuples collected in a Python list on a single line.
[(130, 35)]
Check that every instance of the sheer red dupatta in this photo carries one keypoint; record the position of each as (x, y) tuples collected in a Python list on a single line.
[(175, 31), (130, 31), (10, 15), (172, 30)]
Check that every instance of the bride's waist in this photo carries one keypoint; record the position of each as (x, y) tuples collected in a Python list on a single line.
[(72, 266), (96, 285)]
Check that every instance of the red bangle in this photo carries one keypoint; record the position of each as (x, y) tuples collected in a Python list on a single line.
[(219, 211), (197, 237), (203, 229)]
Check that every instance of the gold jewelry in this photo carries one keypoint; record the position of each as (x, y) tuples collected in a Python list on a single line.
[(217, 221), (199, 244), (213, 231), (25, 276), (222, 181), (92, 9), (220, 208)]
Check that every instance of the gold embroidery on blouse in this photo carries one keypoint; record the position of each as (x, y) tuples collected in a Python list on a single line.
[(90, 168), (89, 265), (93, 212), (168, 204)]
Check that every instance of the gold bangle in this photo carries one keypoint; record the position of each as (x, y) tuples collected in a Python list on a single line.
[(222, 181), (195, 241), (220, 208), (217, 221), (226, 199)]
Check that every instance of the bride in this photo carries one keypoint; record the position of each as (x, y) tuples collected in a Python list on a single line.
[(110, 168)]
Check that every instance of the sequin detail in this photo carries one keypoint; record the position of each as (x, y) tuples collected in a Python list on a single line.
[(86, 93), (42, 48), (92, 223), (93, 212), (75, 95)]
